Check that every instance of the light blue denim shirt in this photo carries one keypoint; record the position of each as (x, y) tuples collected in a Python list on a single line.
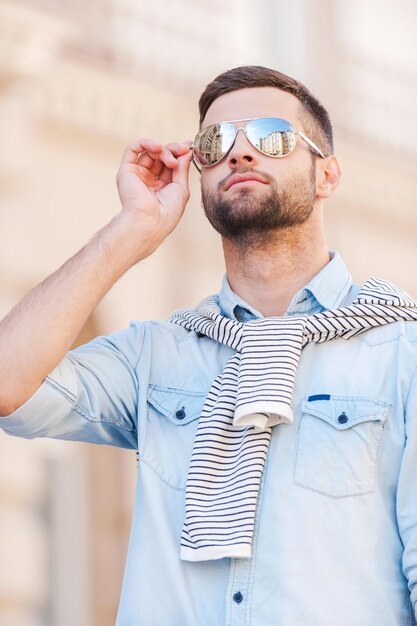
[(335, 540)]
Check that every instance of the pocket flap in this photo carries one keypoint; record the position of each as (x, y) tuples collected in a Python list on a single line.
[(342, 412), (178, 405)]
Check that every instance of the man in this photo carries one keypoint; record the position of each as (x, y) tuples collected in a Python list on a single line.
[(333, 533)]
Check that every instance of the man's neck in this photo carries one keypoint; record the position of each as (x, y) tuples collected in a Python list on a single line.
[(267, 278)]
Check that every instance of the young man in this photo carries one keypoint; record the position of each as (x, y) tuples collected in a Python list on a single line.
[(301, 509)]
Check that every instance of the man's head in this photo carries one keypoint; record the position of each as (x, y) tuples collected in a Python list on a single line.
[(315, 119), (288, 188)]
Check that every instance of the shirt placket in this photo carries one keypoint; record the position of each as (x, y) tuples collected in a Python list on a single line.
[(239, 588)]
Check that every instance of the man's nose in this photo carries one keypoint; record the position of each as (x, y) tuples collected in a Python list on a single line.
[(242, 151)]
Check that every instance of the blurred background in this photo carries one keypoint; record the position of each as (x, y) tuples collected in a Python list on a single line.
[(79, 80)]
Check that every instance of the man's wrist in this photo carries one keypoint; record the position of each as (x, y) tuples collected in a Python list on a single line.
[(125, 244)]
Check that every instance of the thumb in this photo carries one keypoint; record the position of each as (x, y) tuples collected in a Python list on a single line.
[(180, 173)]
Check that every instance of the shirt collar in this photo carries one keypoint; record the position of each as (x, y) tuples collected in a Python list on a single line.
[(326, 290)]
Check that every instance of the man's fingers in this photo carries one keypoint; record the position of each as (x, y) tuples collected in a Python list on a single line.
[(180, 174), (160, 161), (163, 156), (165, 177), (134, 150), (145, 151), (172, 151), (178, 149)]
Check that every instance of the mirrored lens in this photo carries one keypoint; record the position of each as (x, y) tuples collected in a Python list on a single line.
[(272, 136), (212, 143)]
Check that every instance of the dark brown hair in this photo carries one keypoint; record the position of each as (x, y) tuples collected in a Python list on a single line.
[(315, 118)]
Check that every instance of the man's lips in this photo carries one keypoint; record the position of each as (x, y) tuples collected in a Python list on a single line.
[(241, 178)]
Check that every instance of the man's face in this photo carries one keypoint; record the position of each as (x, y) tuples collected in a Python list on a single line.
[(252, 211)]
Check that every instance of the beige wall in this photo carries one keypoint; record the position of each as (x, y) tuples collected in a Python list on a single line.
[(78, 82)]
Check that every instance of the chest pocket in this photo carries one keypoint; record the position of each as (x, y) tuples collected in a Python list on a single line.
[(338, 442), (173, 416)]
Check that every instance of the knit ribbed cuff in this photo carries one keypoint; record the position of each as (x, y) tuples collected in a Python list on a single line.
[(238, 551), (262, 414)]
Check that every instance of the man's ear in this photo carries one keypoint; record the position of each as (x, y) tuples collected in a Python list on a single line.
[(328, 175)]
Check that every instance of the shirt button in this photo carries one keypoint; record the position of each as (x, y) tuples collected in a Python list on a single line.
[(180, 414), (237, 597), (343, 418)]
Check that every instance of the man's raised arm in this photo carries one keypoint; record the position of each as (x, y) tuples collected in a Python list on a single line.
[(40, 329)]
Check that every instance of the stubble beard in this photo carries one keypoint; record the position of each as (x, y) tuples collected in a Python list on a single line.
[(255, 219)]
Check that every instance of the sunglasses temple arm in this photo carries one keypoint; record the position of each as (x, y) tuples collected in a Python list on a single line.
[(311, 144)]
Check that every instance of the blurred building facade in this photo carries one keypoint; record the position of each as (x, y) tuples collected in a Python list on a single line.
[(78, 83)]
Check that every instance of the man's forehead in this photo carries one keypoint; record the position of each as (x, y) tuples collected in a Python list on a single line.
[(254, 102)]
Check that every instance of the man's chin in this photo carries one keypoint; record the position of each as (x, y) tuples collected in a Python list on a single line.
[(243, 198)]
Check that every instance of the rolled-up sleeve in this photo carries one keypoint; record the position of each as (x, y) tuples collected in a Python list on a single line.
[(90, 396)]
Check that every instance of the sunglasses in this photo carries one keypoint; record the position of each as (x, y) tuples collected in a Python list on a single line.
[(272, 136)]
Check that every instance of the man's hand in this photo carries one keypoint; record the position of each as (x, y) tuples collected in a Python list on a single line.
[(153, 186), (36, 334)]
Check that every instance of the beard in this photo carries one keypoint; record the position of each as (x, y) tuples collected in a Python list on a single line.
[(254, 219)]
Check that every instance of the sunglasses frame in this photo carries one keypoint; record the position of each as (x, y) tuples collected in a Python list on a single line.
[(297, 133)]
